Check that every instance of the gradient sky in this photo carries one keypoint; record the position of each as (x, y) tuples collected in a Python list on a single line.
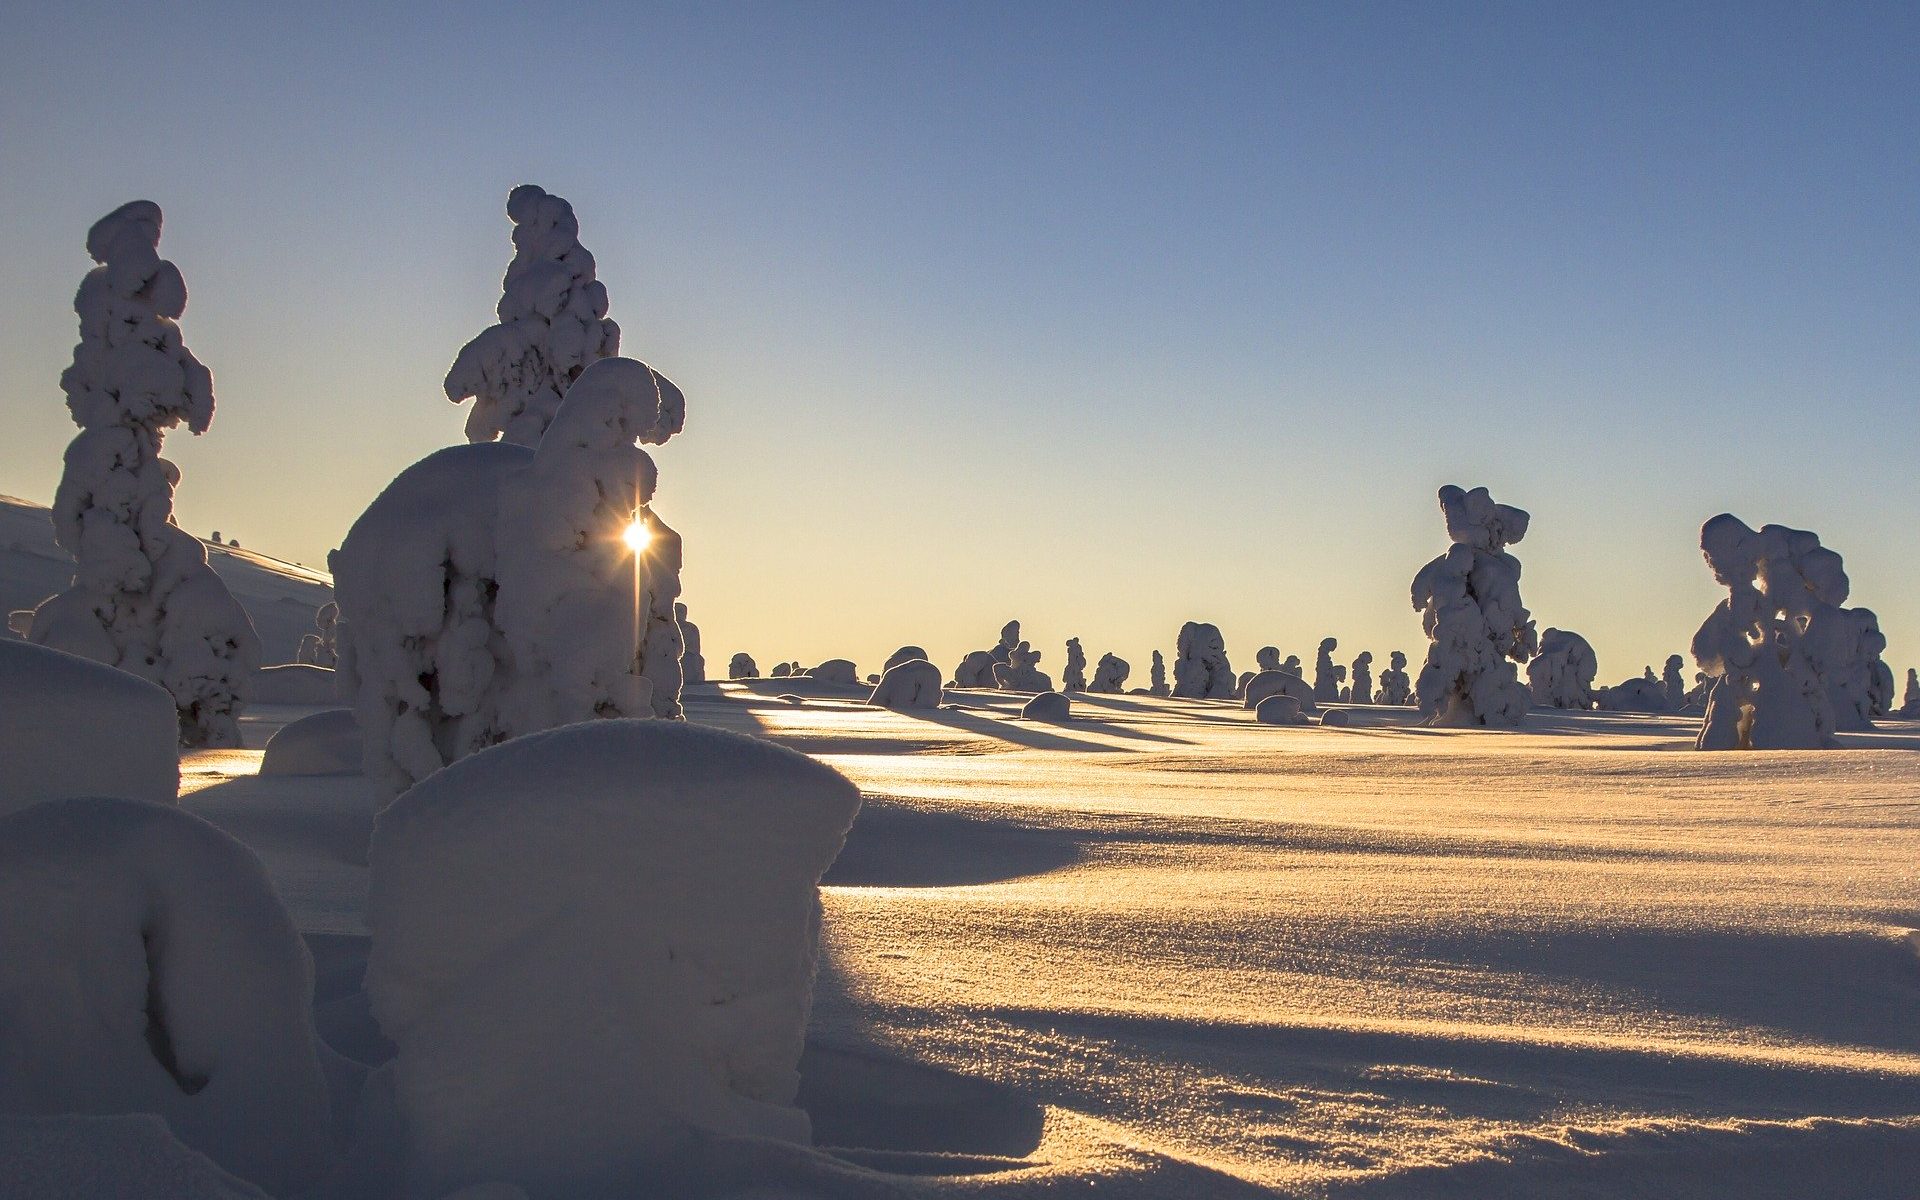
[(1103, 317)]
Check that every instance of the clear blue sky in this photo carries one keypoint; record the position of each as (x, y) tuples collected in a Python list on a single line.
[(1104, 317)]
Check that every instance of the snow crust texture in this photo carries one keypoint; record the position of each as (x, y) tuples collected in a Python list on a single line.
[(148, 967), (1790, 666), (1476, 627), (592, 942), (143, 598), (73, 727), (489, 591), (553, 325)]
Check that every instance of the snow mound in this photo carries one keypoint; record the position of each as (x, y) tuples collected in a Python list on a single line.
[(128, 1157), (1279, 683), (296, 683), (903, 654), (590, 943), (1336, 718), (1279, 709), (326, 743), (147, 967), (1200, 667), (1047, 706), (72, 727), (836, 670), (914, 683), (1477, 629)]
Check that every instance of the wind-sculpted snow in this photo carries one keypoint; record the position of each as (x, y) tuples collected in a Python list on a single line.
[(1200, 667), (1021, 671), (1790, 666), (147, 967), (73, 727), (1110, 675), (594, 945), (1561, 675), (912, 683), (489, 591), (1074, 677), (1476, 627), (143, 598), (553, 325)]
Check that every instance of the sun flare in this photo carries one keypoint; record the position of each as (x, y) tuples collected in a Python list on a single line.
[(637, 535)]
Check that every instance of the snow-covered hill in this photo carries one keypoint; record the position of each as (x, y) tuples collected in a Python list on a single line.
[(279, 596)]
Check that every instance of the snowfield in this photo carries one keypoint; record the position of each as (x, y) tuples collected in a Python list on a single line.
[(1166, 950)]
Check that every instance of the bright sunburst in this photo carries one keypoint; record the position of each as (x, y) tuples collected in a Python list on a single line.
[(637, 535)]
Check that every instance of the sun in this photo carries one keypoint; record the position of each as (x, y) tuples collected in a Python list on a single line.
[(637, 535)]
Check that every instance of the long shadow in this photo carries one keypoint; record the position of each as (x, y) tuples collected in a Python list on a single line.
[(894, 846), (1020, 733)]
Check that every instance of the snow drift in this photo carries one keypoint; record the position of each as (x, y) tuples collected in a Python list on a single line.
[(325, 743), (592, 942), (72, 727)]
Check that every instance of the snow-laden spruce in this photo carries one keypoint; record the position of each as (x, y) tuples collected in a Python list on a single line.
[(1395, 686), (1200, 667), (1790, 666), (143, 598), (742, 666), (1561, 674), (913, 683), (693, 664), (321, 648), (1326, 676), (835, 670), (1476, 627), (1362, 690), (146, 966), (1910, 700), (1157, 676), (73, 727), (1074, 677), (553, 326), (1021, 671), (593, 943), (492, 590), (1110, 675)]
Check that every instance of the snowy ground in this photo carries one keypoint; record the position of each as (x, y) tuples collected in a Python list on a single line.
[(1170, 951)]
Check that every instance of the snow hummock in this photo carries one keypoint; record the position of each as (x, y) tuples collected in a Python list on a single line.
[(553, 325), (1790, 665), (742, 666), (73, 727), (835, 670), (143, 598), (1561, 674), (146, 966), (1477, 629), (1020, 673), (1279, 683), (1200, 667), (1278, 708), (590, 943), (1110, 675), (322, 743), (1047, 706), (693, 664), (489, 590), (296, 683), (914, 683), (1074, 677), (903, 654)]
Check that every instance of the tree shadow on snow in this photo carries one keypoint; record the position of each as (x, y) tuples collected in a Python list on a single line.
[(891, 845)]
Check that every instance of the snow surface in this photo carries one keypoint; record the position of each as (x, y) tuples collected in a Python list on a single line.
[(158, 973), (296, 683), (589, 943), (1167, 951), (73, 727)]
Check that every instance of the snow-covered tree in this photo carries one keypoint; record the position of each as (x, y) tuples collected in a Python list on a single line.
[(492, 590), (1362, 690), (553, 325), (903, 654), (1074, 678), (1110, 675), (1267, 659), (908, 683), (1910, 702), (1200, 666), (1784, 591), (693, 664), (321, 648), (1020, 673), (1477, 629), (143, 598), (1561, 675), (1157, 676), (1674, 683), (1326, 679), (1395, 687), (742, 666)]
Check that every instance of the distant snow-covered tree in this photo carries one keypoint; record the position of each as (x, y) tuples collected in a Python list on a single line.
[(1395, 686), (1157, 676), (1110, 675), (1562, 674), (1362, 690), (143, 598), (1477, 629), (1200, 666), (1074, 677)]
